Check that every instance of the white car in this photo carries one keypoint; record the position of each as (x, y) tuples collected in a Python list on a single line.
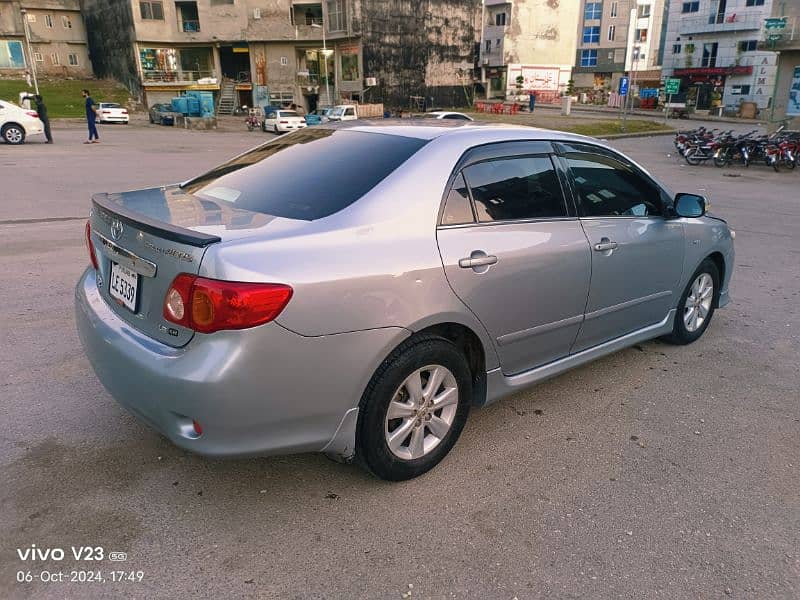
[(278, 120), (110, 112), (344, 112), (17, 123), (447, 114)]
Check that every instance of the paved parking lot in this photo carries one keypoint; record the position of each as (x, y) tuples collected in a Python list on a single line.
[(657, 472)]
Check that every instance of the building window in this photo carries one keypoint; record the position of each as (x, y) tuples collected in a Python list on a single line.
[(740, 90), (336, 16), (591, 35), (348, 61), (709, 55), (612, 32), (73, 60), (497, 44), (641, 35), (676, 48), (37, 56), (500, 19), (488, 47), (220, 2), (644, 11), (152, 10), (690, 7), (11, 55), (55, 59), (593, 10), (66, 22), (284, 61), (48, 21), (754, 3), (588, 58), (614, 9), (748, 46)]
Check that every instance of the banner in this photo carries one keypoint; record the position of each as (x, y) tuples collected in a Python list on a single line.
[(793, 107)]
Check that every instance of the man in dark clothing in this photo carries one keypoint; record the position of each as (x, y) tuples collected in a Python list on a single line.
[(91, 118), (42, 110), (532, 100)]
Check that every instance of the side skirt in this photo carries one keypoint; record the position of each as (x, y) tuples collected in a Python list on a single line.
[(500, 385)]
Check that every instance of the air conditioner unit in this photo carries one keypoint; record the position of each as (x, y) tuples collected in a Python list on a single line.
[(371, 81), (256, 13)]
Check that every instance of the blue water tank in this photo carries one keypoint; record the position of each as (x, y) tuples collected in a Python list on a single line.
[(180, 105), (193, 106), (206, 103)]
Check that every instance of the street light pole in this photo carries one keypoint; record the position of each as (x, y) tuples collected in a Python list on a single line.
[(30, 52)]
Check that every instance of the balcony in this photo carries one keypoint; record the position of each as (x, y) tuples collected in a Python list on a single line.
[(157, 76), (190, 26), (718, 23)]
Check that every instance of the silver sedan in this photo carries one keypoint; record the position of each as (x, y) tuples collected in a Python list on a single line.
[(356, 290)]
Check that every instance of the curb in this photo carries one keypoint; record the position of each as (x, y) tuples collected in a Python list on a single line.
[(638, 134)]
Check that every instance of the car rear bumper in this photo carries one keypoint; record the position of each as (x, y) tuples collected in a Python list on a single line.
[(264, 390), (287, 128)]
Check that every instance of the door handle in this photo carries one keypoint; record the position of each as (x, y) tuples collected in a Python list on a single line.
[(605, 245), (477, 261)]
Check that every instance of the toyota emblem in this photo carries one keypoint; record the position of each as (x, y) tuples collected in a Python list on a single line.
[(116, 229)]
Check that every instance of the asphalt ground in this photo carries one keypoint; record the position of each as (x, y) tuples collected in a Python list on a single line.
[(656, 472)]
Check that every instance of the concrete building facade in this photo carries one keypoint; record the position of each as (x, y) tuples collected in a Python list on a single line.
[(618, 37), (308, 52), (532, 39), (713, 47), (57, 37), (782, 34)]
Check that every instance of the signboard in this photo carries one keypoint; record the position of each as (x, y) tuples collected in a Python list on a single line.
[(623, 86), (775, 23), (535, 77), (672, 86), (793, 106)]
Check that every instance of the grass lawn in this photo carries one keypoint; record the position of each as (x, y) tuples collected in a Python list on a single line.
[(63, 97), (596, 127)]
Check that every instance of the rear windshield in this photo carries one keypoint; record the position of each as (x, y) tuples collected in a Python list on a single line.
[(288, 113), (110, 105), (307, 175)]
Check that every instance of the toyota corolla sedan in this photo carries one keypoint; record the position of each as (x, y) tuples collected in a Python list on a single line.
[(363, 307)]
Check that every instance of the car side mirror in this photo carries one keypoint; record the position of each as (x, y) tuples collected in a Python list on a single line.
[(690, 205)]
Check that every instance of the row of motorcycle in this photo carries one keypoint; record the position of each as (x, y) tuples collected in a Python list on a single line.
[(778, 150)]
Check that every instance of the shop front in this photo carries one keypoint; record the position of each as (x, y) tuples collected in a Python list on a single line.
[(705, 86), (168, 71)]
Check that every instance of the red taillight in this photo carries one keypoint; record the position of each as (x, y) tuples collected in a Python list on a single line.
[(208, 305), (32, 113), (284, 122), (90, 245), (124, 112), (198, 429)]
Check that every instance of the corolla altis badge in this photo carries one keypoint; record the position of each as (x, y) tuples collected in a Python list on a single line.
[(116, 229)]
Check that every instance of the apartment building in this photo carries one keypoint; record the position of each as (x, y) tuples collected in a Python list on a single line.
[(532, 39), (57, 37), (618, 37), (782, 33), (713, 47), (308, 52)]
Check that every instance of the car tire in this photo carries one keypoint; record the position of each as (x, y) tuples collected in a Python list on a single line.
[(13, 133), (415, 448), (696, 300)]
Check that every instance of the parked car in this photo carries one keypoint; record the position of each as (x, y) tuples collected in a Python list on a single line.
[(363, 308), (319, 116), (447, 114), (16, 123), (162, 114), (279, 120), (110, 112)]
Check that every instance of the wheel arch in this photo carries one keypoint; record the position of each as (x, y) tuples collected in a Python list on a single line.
[(12, 124), (719, 261)]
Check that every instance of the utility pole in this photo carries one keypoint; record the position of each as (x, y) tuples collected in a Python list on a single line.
[(325, 61), (32, 61)]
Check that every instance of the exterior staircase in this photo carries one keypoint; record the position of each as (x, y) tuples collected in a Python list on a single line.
[(324, 99), (227, 98)]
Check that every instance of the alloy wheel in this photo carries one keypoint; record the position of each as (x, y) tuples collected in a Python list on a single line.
[(698, 302), (421, 412)]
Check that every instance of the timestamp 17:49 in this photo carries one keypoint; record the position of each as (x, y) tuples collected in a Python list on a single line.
[(80, 576)]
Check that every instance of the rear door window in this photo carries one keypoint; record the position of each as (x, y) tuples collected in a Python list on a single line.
[(308, 175), (525, 187)]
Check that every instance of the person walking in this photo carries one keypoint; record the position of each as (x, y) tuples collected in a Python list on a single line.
[(41, 109), (91, 118), (532, 100)]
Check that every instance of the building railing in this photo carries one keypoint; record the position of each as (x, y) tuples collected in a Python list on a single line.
[(190, 26), (717, 22), (167, 76)]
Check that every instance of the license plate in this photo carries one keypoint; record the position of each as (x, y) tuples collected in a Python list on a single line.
[(123, 286)]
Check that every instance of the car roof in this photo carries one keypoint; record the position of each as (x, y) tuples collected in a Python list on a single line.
[(429, 129)]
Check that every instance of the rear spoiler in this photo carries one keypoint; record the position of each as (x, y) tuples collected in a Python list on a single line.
[(108, 209)]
